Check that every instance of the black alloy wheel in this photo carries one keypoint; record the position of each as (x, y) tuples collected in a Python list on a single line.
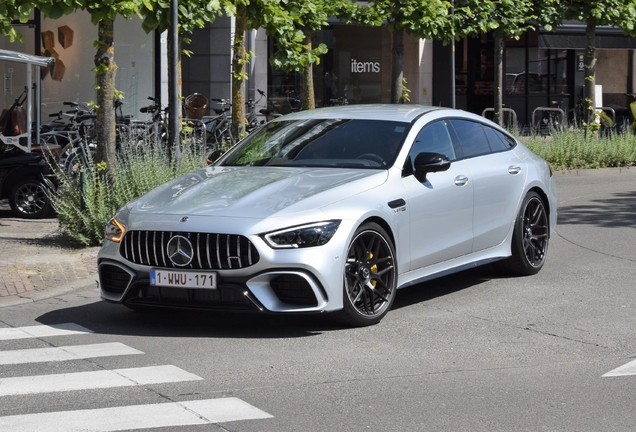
[(530, 237), (370, 277), (29, 198)]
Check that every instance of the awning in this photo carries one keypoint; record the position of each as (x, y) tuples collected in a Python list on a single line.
[(571, 35), (578, 41), (19, 57)]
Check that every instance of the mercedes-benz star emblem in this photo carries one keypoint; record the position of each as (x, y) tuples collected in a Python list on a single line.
[(180, 251)]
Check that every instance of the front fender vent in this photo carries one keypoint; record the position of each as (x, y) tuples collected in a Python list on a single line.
[(210, 251)]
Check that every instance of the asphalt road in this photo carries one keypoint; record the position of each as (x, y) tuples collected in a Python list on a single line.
[(469, 352)]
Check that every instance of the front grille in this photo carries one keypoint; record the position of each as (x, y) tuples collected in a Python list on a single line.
[(113, 279), (293, 290), (210, 251)]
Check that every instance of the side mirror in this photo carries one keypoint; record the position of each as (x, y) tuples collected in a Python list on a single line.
[(428, 163)]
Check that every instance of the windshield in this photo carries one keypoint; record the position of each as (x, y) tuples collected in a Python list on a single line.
[(321, 143)]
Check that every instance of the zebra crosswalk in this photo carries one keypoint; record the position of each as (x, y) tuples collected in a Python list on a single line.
[(94, 380), (173, 414), (74, 352), (42, 331), (169, 414)]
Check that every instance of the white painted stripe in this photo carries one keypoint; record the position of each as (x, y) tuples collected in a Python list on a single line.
[(42, 331), (136, 417), (94, 380), (73, 352), (626, 369)]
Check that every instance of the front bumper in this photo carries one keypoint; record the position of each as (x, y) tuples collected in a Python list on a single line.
[(306, 280), (274, 291)]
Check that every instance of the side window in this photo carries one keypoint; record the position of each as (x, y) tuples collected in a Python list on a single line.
[(433, 138), (497, 140), (471, 137)]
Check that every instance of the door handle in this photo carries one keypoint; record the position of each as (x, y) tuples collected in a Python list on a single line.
[(461, 180), (513, 169)]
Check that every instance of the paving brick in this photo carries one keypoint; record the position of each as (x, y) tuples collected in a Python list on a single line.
[(35, 258)]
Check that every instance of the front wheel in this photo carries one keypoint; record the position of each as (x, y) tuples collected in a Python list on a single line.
[(29, 198), (370, 277), (530, 237)]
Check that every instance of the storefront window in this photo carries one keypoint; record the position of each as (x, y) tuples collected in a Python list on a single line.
[(485, 75), (357, 68), (559, 72)]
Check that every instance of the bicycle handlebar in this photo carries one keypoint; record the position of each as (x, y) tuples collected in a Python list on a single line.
[(221, 110)]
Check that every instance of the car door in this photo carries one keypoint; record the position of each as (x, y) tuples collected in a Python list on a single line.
[(498, 178), (440, 208)]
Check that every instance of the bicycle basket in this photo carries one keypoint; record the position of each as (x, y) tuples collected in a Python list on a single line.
[(196, 105)]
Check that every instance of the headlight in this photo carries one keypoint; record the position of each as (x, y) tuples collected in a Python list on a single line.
[(114, 230), (315, 234)]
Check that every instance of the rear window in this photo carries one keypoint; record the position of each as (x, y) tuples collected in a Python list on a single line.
[(471, 137)]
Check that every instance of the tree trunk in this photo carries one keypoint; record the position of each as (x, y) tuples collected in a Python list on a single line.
[(105, 69), (309, 100), (239, 74), (498, 84), (590, 72), (397, 70)]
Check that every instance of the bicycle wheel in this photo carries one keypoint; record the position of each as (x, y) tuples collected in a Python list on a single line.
[(76, 157)]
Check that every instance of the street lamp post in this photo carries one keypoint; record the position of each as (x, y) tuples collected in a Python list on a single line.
[(174, 81), (453, 54)]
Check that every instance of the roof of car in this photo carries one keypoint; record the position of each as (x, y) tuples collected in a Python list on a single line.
[(400, 112)]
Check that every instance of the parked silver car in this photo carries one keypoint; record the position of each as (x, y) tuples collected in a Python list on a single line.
[(333, 210)]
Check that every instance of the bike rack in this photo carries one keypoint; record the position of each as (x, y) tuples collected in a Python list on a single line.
[(33, 67), (548, 109), (611, 111), (503, 110)]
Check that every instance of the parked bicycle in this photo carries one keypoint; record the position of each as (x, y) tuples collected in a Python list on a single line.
[(137, 135), (550, 119), (253, 121), (75, 133), (219, 127)]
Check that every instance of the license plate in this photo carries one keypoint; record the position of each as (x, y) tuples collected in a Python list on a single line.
[(182, 279)]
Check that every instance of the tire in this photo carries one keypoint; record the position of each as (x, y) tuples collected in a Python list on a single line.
[(370, 277), (529, 238), (29, 198)]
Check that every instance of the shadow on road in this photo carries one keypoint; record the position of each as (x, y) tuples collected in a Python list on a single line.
[(106, 318), (618, 210)]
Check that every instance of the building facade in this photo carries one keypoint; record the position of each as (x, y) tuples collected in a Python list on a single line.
[(541, 69)]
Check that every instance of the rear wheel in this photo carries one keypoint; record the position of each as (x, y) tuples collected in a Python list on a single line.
[(74, 159), (29, 198), (530, 237), (370, 277)]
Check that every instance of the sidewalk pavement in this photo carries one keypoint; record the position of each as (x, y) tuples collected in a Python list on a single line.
[(35, 263)]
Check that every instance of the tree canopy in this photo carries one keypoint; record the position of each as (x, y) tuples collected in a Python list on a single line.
[(618, 13)]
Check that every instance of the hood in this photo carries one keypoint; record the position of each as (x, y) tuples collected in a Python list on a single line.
[(256, 192)]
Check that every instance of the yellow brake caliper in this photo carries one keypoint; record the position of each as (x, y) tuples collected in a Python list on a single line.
[(373, 268)]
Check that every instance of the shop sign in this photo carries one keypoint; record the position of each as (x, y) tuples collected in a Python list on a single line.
[(364, 67)]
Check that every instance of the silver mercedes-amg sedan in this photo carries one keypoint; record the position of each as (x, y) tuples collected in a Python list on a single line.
[(333, 210)]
